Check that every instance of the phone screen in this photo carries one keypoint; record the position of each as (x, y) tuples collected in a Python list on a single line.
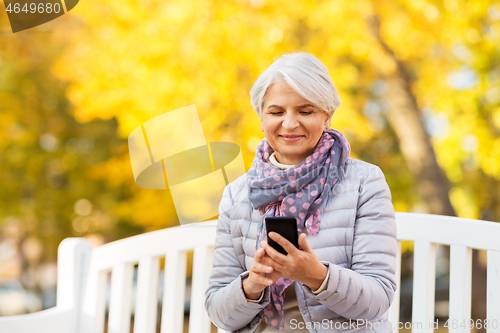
[(286, 227)]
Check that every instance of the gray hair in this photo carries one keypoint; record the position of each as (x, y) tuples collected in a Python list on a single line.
[(305, 74)]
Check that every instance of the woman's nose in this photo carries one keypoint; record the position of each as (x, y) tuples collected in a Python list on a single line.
[(290, 121)]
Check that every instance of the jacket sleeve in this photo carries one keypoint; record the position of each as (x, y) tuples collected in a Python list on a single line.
[(366, 290), (225, 300)]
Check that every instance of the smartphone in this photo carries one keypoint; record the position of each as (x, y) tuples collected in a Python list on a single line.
[(285, 226)]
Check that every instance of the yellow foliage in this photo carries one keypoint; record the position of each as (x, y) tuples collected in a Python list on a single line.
[(463, 203), (131, 61)]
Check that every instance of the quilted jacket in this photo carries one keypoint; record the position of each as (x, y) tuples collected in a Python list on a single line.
[(356, 240)]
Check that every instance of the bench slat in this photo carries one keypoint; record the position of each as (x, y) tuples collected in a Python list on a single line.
[(121, 298), (424, 273), (460, 288), (93, 313), (147, 295), (493, 292), (394, 309), (202, 265), (173, 297)]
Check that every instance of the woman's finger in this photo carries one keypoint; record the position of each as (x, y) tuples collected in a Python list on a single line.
[(304, 245), (260, 268), (259, 254), (259, 279), (285, 243), (260, 275), (268, 261), (271, 252)]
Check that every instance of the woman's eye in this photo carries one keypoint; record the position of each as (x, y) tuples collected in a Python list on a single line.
[(278, 113)]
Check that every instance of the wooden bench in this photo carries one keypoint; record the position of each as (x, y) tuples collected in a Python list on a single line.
[(83, 272)]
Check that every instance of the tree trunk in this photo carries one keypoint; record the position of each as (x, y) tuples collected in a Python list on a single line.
[(405, 119)]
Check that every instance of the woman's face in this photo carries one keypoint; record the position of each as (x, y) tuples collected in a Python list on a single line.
[(292, 125)]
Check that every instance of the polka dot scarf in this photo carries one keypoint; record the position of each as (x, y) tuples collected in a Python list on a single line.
[(298, 192)]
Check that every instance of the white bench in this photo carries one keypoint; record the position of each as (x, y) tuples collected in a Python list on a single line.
[(83, 272)]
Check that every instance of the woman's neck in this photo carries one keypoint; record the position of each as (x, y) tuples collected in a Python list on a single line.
[(276, 163)]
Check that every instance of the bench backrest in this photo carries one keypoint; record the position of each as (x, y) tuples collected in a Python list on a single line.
[(146, 250), (462, 235), (173, 244)]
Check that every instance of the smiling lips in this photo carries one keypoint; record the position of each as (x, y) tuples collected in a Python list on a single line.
[(291, 138)]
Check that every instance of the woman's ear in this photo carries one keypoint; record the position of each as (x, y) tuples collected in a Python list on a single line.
[(328, 120)]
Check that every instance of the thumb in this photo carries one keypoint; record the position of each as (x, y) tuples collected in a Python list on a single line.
[(304, 246), (259, 254)]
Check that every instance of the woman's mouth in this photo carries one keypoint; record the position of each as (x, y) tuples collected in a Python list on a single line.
[(291, 138)]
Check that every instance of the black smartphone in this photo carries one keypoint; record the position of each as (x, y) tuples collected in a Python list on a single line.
[(286, 227)]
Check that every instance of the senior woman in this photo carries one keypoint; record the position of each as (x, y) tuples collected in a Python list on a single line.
[(342, 278)]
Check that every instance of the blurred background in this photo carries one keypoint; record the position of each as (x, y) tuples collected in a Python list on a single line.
[(418, 79)]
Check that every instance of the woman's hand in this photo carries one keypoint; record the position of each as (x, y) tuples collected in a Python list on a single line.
[(259, 278), (299, 265)]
